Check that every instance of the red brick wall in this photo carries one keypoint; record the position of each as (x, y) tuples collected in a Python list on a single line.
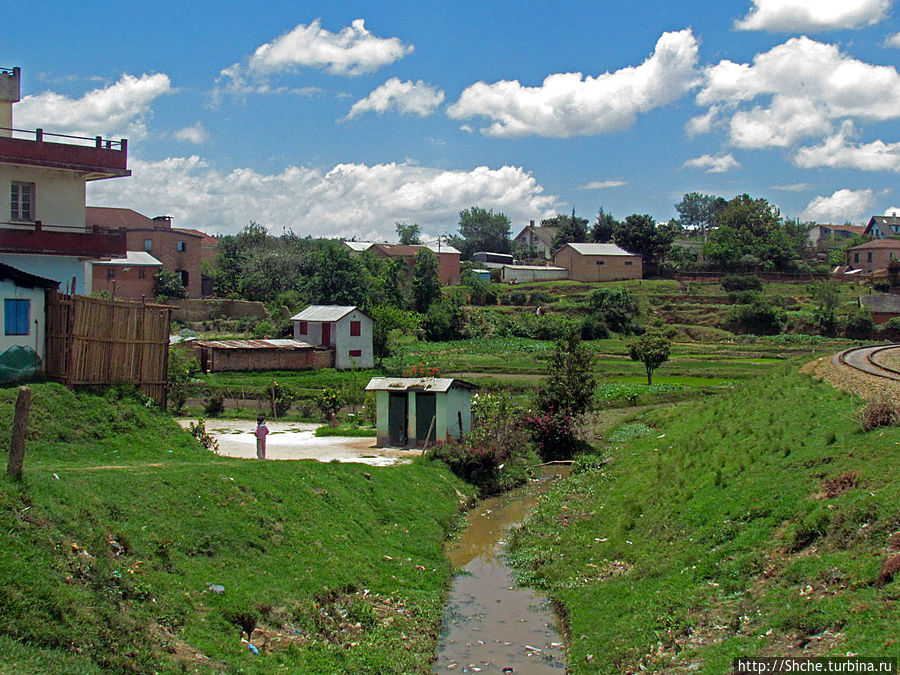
[(126, 281), (165, 249)]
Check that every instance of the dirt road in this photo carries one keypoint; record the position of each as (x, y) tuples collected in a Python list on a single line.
[(296, 440)]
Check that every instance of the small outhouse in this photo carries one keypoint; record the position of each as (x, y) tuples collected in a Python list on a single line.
[(415, 411)]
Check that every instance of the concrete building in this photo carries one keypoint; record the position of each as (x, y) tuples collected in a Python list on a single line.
[(347, 330), (524, 273), (820, 236), (873, 255), (23, 338), (42, 188), (413, 411), (448, 258), (535, 242), (179, 250), (128, 278), (598, 262)]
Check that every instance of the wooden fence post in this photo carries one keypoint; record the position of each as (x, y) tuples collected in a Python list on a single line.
[(19, 428)]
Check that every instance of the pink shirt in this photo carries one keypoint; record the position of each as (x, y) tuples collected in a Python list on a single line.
[(261, 431)]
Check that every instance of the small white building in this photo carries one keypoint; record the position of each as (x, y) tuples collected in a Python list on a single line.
[(526, 273), (347, 330), (416, 411), (22, 339)]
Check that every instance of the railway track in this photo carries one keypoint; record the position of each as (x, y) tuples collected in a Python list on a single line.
[(864, 359)]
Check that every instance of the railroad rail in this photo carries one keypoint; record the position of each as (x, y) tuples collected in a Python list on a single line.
[(863, 359)]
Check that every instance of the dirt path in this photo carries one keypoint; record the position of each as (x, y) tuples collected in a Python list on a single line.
[(297, 440)]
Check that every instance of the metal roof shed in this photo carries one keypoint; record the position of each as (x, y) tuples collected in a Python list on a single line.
[(414, 411)]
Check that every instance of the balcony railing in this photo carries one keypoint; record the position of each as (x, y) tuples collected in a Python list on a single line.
[(96, 157), (35, 237), (95, 142)]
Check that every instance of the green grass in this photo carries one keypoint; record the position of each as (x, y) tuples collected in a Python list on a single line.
[(707, 536), (122, 522), (350, 430)]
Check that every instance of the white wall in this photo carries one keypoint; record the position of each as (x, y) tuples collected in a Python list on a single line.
[(60, 268), (344, 342), (59, 195), (35, 337)]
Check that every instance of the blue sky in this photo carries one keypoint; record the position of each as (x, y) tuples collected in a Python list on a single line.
[(342, 118)]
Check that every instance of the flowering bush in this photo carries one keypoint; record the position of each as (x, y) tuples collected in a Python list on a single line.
[(279, 397), (421, 370), (329, 403), (207, 440), (553, 433)]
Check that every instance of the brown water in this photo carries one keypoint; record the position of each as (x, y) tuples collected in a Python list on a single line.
[(491, 625)]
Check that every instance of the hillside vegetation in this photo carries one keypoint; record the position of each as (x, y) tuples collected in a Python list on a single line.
[(129, 548), (760, 522)]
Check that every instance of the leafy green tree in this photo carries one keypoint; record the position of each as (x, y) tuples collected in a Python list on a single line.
[(269, 271), (444, 320), (482, 230), (640, 234), (652, 349), (570, 381), (167, 284), (827, 296), (389, 320), (698, 212), (571, 229), (616, 307), (750, 229), (604, 228), (337, 280), (409, 233), (232, 256), (180, 377), (426, 284)]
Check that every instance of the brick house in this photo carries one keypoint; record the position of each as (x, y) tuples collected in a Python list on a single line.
[(179, 250), (883, 227), (129, 278), (820, 236), (448, 258), (346, 329), (42, 186), (873, 255), (535, 242), (598, 262)]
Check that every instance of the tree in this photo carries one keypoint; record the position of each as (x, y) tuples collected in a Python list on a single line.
[(698, 211), (426, 284), (826, 295), (409, 233), (571, 229), (641, 234), (652, 349), (338, 279), (388, 319), (167, 284), (570, 378), (616, 307), (482, 230), (750, 229), (604, 227), (232, 256)]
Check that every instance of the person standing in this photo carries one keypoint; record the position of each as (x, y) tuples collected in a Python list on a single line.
[(261, 432)]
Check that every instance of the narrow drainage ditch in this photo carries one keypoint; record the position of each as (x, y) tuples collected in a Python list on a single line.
[(491, 625)]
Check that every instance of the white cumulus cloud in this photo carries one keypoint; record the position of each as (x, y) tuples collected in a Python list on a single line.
[(892, 40), (844, 205), (193, 134), (801, 89), (713, 163), (892, 211), (838, 151), (570, 104), (811, 16), (121, 109), (352, 51), (347, 200), (407, 97)]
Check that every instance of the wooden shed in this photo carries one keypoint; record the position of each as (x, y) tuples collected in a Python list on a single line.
[(414, 411), (216, 355)]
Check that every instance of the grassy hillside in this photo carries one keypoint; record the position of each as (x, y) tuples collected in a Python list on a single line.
[(123, 527), (755, 523)]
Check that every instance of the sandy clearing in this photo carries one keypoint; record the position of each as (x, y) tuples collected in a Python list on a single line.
[(296, 440)]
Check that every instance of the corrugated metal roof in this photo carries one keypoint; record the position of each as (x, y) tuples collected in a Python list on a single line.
[(323, 313), (542, 268), (255, 344), (599, 249), (133, 258), (882, 303), (436, 384), (358, 245)]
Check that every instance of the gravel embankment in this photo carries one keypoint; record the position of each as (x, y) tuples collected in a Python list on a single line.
[(850, 380)]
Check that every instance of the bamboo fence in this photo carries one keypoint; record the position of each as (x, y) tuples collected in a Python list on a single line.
[(99, 341)]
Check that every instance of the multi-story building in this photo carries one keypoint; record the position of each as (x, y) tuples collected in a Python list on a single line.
[(42, 194)]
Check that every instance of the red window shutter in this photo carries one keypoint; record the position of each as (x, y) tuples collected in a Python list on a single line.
[(356, 352), (304, 328), (355, 328)]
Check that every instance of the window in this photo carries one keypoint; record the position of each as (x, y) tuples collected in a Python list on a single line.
[(16, 314), (148, 244), (355, 328), (21, 201), (184, 277), (303, 328), (142, 273), (110, 272), (600, 262), (629, 262), (179, 246), (856, 257), (356, 352), (869, 256)]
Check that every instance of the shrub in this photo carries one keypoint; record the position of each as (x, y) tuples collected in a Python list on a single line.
[(617, 307), (733, 283), (540, 298), (593, 327), (444, 320), (517, 298), (743, 297), (860, 325), (554, 435), (758, 318), (214, 403), (207, 440), (329, 404), (279, 398), (482, 293), (180, 378), (264, 329), (367, 414), (421, 370), (879, 413)]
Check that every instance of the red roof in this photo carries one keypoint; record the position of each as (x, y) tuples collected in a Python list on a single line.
[(208, 240), (115, 217), (878, 243)]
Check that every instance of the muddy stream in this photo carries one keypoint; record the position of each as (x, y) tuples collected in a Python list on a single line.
[(491, 625)]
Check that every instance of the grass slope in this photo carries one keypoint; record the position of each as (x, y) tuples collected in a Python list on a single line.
[(755, 523), (123, 521)]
